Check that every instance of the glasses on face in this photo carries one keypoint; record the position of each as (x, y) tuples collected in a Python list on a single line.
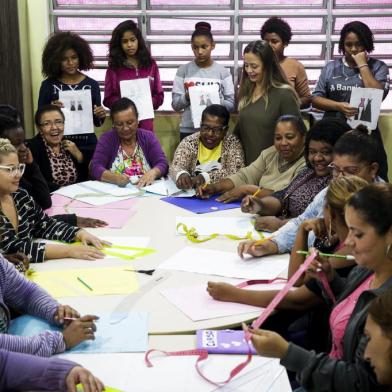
[(14, 170), (345, 171), (127, 124), (50, 124), (207, 128)]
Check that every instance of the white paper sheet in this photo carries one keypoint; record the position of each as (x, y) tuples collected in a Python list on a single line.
[(128, 372), (139, 91), (78, 111), (201, 97), (98, 193), (214, 262), (368, 101), (205, 226), (167, 187)]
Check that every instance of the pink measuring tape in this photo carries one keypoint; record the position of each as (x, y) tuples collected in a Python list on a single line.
[(203, 354)]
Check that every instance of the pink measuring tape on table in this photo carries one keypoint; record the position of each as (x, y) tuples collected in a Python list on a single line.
[(203, 354)]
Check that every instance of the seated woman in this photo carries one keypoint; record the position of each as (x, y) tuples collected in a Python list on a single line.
[(32, 179), (58, 159), (26, 297), (23, 221), (209, 155), (277, 32), (272, 171), (378, 329), (128, 153), (369, 222), (20, 372), (275, 210)]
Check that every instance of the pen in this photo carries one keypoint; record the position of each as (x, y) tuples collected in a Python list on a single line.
[(337, 256), (70, 318), (84, 283), (147, 272), (258, 190), (261, 241)]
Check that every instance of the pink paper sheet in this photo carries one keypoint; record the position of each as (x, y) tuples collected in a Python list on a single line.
[(60, 201), (197, 304), (115, 218)]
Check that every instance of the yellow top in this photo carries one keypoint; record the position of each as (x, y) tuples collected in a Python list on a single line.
[(205, 155)]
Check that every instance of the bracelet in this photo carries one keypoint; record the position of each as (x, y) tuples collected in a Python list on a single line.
[(363, 65)]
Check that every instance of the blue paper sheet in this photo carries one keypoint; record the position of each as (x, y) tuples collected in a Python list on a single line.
[(128, 335), (201, 206)]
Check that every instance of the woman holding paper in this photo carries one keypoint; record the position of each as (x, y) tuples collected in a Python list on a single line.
[(201, 72), (272, 171), (65, 55), (23, 221), (355, 69), (59, 160), (130, 59), (127, 153), (209, 155), (369, 222)]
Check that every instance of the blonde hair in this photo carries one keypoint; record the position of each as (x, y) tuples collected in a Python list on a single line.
[(340, 191), (6, 147), (273, 75)]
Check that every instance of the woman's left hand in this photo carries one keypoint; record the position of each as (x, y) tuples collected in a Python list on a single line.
[(65, 311), (197, 181), (148, 178), (73, 149), (268, 343), (268, 223), (100, 112), (89, 222), (88, 239)]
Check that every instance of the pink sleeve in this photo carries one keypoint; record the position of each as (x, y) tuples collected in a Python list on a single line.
[(112, 88), (156, 87)]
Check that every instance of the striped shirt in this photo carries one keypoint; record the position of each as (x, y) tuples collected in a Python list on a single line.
[(33, 223), (26, 297)]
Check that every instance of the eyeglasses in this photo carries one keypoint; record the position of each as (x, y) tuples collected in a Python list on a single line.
[(14, 170), (345, 171), (127, 124), (207, 128), (50, 124)]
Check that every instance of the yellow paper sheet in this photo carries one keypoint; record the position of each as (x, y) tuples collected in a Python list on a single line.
[(103, 281), (107, 389)]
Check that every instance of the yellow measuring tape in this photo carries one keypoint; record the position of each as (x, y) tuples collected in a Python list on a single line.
[(193, 236)]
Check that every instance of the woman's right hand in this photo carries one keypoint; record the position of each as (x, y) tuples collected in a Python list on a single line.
[(80, 330), (206, 191), (320, 264), (84, 252), (251, 205), (121, 180), (268, 247), (222, 291), (80, 375), (347, 109)]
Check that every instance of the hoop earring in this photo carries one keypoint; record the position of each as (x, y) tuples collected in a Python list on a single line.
[(389, 246)]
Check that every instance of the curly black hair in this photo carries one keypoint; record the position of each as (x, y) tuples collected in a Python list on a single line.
[(278, 26), (363, 32), (116, 56), (54, 50), (6, 124)]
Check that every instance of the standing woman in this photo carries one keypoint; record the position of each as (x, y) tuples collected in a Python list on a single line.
[(355, 69), (64, 57), (129, 59), (264, 96), (277, 32), (203, 70)]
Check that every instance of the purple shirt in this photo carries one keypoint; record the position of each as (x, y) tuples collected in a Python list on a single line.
[(109, 143), (112, 87), (22, 371), (26, 297)]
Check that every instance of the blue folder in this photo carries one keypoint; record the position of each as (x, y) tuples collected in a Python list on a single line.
[(201, 206), (129, 335)]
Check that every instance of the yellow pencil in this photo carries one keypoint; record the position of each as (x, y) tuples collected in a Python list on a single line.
[(263, 240), (204, 186), (257, 192)]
